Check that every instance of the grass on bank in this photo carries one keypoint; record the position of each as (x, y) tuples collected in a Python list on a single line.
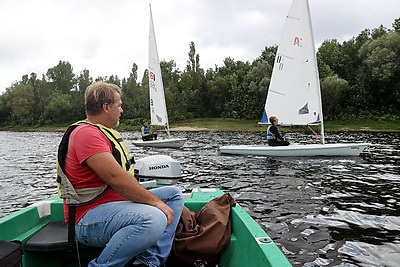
[(224, 124), (219, 124)]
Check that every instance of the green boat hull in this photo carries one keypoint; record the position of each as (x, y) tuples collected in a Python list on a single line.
[(249, 246)]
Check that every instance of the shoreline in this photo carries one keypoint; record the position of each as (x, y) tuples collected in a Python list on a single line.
[(235, 125)]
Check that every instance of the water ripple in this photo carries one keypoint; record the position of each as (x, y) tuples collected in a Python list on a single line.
[(319, 211)]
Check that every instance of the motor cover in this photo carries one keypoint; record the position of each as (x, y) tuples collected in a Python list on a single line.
[(162, 168)]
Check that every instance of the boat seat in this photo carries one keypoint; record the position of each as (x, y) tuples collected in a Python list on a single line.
[(52, 237), (51, 243)]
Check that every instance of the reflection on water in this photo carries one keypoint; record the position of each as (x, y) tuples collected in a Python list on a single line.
[(320, 211)]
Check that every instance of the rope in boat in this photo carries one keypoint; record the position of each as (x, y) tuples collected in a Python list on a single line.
[(317, 136), (77, 253)]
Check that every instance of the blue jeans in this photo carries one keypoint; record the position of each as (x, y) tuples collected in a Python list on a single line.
[(127, 229)]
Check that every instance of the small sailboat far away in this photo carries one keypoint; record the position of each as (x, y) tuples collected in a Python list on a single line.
[(158, 107), (294, 94)]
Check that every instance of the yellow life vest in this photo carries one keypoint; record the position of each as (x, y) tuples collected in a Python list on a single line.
[(74, 196)]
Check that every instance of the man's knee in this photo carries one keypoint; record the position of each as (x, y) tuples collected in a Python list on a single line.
[(158, 223), (176, 192)]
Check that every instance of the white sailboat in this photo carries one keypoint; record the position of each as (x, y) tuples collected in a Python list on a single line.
[(158, 107), (294, 94)]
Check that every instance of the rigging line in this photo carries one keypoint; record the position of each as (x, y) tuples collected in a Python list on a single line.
[(314, 132), (276, 92), (291, 17), (285, 56)]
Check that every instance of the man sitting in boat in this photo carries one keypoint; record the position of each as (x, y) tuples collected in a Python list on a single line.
[(110, 208), (146, 134), (274, 137)]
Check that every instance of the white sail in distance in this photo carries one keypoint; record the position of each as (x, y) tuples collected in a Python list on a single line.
[(158, 107), (294, 94)]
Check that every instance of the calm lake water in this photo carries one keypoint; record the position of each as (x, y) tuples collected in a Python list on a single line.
[(319, 211)]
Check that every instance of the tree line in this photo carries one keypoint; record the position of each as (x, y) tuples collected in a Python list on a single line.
[(360, 79)]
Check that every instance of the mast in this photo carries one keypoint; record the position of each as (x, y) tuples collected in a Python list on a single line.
[(321, 117)]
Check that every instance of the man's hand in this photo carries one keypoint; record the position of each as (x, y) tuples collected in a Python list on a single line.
[(108, 169), (167, 211)]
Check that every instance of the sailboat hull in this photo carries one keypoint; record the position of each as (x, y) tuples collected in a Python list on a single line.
[(297, 150), (166, 143)]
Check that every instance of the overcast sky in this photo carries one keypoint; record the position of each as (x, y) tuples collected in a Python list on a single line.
[(108, 36)]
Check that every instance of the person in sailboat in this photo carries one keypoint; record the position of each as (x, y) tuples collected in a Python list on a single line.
[(147, 135), (274, 137), (111, 208)]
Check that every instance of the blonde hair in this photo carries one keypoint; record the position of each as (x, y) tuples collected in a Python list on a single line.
[(97, 94)]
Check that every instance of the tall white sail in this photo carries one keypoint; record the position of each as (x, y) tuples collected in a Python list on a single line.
[(158, 107), (294, 94)]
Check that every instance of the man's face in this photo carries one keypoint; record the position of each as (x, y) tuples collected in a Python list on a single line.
[(116, 109)]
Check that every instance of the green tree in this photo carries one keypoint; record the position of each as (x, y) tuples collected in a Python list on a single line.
[(268, 55), (114, 80), (259, 77), (382, 57), (135, 97), (38, 107), (59, 110), (22, 104), (218, 88), (194, 89), (334, 91), (173, 96), (238, 77), (84, 80), (396, 25), (329, 58), (379, 32), (62, 77), (5, 108)]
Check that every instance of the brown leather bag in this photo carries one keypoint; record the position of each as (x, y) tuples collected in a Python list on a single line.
[(201, 236)]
